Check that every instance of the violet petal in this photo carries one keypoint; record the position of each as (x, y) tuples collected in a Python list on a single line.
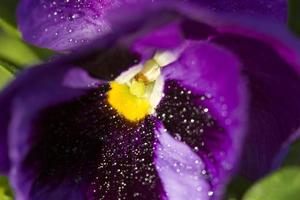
[(213, 73), (274, 105), (62, 25), (33, 93), (180, 169)]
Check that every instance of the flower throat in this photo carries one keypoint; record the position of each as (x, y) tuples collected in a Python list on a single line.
[(136, 93)]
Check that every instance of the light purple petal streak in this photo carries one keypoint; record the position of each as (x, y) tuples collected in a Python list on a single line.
[(180, 169)]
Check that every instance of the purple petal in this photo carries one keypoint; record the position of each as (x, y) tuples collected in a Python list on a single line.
[(36, 90), (25, 97), (51, 84), (64, 24), (180, 169), (172, 37), (270, 54), (28, 86), (58, 139), (166, 38), (212, 120), (275, 96), (126, 167), (4, 120), (82, 147), (276, 9)]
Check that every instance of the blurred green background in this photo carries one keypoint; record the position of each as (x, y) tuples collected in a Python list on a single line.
[(15, 54)]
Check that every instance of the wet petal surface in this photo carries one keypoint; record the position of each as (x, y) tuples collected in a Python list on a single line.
[(181, 170), (63, 24)]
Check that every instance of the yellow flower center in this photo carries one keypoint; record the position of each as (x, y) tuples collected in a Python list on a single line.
[(129, 101), (133, 97)]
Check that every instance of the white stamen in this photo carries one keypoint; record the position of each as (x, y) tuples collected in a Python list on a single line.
[(151, 71), (127, 76), (157, 93), (165, 58)]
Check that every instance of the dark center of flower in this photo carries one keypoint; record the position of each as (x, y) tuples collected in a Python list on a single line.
[(88, 146)]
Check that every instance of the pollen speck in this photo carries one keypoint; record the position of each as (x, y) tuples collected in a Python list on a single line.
[(128, 101)]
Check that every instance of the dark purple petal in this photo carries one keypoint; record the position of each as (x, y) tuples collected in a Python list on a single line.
[(195, 30), (25, 97), (4, 120), (276, 9), (102, 63), (205, 106), (82, 147), (36, 90), (275, 97), (126, 168), (52, 83), (30, 91)]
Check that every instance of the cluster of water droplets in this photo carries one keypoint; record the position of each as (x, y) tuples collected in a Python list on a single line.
[(179, 167), (183, 117), (76, 20)]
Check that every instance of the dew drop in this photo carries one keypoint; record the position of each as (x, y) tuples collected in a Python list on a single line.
[(199, 189), (74, 16), (210, 193)]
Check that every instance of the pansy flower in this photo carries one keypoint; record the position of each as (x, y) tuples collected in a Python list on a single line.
[(157, 109)]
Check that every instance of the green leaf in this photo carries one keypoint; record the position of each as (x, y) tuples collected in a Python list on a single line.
[(293, 158), (294, 16), (6, 74), (8, 11), (237, 188), (13, 48), (43, 54), (9, 29), (15, 51), (284, 184), (5, 190)]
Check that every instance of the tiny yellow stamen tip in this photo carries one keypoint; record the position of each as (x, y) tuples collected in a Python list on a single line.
[(128, 100), (137, 88)]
